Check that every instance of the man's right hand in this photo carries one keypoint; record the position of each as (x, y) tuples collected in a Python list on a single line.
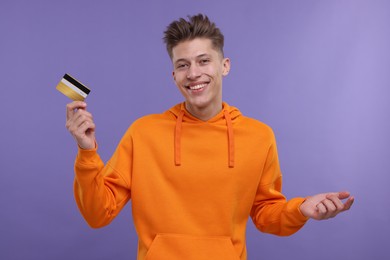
[(79, 123)]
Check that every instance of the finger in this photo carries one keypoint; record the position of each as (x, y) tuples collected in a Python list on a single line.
[(343, 195), (80, 121), (70, 108), (321, 208), (336, 201), (329, 205), (77, 119), (79, 115), (86, 127), (348, 203), (331, 209), (73, 107), (340, 207)]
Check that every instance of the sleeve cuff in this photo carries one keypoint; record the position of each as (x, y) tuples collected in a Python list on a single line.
[(295, 205), (86, 156)]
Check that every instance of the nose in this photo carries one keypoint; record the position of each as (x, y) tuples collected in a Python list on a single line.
[(193, 72)]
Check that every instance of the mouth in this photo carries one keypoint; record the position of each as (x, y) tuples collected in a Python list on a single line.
[(196, 87)]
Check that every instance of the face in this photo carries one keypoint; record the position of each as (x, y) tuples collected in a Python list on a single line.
[(198, 72)]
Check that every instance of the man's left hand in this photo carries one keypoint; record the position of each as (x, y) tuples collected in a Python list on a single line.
[(326, 205)]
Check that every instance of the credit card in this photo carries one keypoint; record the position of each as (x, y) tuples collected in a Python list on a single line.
[(72, 88)]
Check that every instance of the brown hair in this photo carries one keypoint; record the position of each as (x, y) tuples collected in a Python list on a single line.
[(198, 26)]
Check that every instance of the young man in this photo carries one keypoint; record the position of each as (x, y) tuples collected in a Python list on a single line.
[(196, 172)]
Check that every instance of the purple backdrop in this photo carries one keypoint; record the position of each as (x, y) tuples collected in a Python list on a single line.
[(316, 71)]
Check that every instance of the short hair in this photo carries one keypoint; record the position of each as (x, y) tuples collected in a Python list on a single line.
[(197, 26)]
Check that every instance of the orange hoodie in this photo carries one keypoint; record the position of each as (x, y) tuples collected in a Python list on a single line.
[(192, 183)]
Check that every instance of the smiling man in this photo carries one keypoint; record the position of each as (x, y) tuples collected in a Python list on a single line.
[(198, 71), (196, 172)]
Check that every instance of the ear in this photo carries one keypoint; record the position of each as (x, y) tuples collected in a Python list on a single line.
[(173, 75), (226, 66)]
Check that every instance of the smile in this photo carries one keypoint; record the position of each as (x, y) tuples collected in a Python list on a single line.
[(197, 87)]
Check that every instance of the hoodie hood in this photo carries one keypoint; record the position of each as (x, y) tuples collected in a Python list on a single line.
[(227, 116)]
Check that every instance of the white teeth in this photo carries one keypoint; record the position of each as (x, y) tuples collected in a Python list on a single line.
[(197, 86)]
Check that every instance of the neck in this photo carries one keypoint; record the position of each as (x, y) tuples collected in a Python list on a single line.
[(204, 113)]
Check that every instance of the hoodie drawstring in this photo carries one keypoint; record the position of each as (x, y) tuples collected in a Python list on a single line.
[(179, 121), (229, 125), (230, 136)]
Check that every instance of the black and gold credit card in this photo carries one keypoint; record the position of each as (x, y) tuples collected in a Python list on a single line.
[(72, 88)]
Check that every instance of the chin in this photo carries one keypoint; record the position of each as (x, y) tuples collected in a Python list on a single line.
[(199, 103)]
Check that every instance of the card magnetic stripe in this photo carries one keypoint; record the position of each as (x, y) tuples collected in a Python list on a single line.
[(77, 84)]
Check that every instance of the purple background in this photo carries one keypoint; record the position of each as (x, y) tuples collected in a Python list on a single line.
[(315, 71)]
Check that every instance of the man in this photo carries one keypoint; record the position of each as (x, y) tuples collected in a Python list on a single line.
[(196, 172)]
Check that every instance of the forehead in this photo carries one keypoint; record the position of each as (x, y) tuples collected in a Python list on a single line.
[(191, 49)]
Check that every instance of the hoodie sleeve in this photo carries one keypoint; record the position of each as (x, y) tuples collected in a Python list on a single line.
[(271, 212), (101, 191)]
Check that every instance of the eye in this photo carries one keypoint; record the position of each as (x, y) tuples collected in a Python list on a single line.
[(204, 61), (181, 66)]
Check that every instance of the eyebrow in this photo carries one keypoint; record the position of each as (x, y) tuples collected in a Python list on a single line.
[(203, 55)]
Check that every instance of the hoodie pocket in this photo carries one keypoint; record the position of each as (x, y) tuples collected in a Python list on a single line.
[(179, 247)]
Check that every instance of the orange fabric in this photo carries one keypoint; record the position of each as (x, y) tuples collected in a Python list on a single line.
[(178, 138), (193, 184)]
